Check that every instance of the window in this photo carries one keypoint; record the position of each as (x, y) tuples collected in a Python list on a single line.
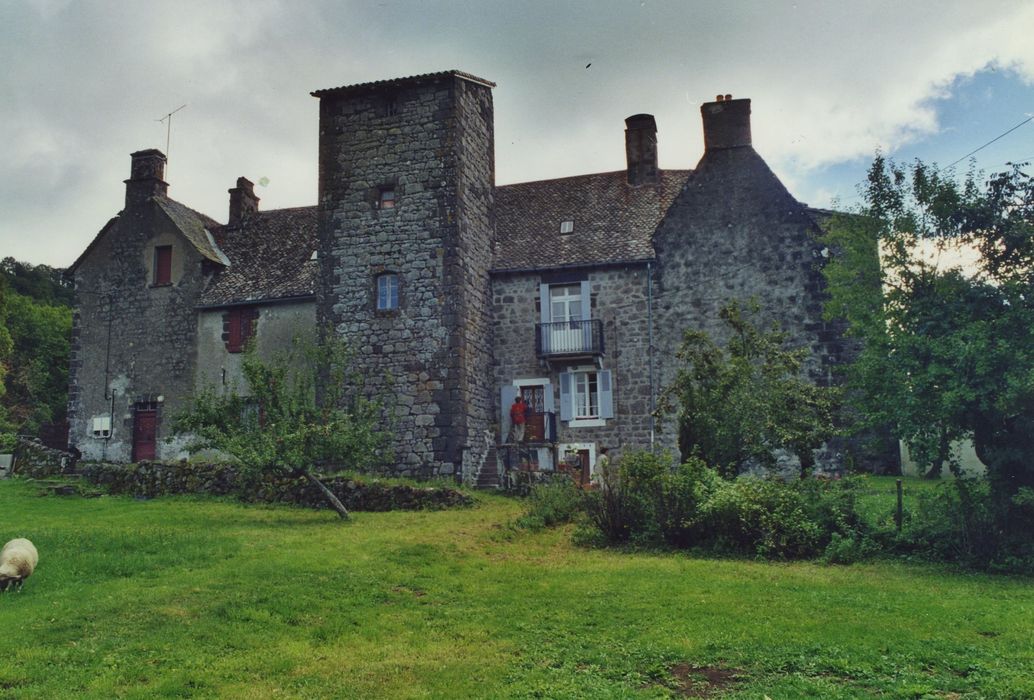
[(387, 199), (162, 265), (586, 397), (387, 292), (565, 302), (239, 327), (566, 227)]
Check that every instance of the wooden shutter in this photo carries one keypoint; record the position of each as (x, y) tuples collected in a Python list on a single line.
[(606, 390), (545, 313), (507, 393), (586, 292), (234, 341), (163, 265), (566, 412)]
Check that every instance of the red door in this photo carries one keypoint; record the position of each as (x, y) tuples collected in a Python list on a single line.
[(145, 429)]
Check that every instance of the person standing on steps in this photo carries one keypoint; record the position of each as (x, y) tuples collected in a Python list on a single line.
[(518, 418)]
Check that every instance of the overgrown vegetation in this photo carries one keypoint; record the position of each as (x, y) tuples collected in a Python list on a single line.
[(739, 403), (948, 354), (299, 410), (692, 506), (35, 332)]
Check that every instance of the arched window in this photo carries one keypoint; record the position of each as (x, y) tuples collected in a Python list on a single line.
[(387, 291)]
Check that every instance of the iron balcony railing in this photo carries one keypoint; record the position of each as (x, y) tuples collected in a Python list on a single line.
[(539, 428), (570, 338)]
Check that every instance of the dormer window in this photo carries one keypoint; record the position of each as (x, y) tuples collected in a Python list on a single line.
[(162, 265), (387, 198), (566, 227)]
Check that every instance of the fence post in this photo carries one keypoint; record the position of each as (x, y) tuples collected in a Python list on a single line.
[(898, 513)]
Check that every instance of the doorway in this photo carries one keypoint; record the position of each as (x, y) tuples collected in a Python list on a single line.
[(145, 431), (534, 396)]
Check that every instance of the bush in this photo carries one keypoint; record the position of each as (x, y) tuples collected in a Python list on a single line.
[(551, 504), (956, 523), (691, 505)]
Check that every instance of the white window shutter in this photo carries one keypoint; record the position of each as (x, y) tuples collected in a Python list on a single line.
[(565, 396), (507, 393), (548, 402), (586, 301), (606, 389), (545, 311)]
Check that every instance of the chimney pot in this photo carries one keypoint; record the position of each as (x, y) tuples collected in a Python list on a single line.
[(641, 149), (719, 98), (728, 97), (243, 201)]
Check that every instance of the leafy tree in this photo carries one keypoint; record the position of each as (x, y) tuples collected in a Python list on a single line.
[(283, 426), (40, 282), (948, 354), (37, 380), (742, 402), (6, 346)]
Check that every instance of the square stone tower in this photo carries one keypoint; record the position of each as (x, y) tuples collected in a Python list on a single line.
[(406, 180)]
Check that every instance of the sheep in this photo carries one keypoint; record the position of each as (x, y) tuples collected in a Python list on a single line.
[(18, 560)]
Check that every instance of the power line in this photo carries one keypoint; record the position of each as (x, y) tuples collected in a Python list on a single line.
[(989, 142)]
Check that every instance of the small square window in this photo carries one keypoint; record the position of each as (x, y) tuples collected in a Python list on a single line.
[(162, 265), (387, 292), (387, 200), (566, 227)]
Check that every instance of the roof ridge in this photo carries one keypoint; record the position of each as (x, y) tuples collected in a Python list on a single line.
[(585, 175)]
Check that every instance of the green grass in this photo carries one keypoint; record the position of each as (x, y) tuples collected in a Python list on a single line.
[(208, 598)]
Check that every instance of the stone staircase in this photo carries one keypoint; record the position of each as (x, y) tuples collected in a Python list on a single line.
[(489, 477)]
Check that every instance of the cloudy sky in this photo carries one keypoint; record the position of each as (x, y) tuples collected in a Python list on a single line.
[(84, 83)]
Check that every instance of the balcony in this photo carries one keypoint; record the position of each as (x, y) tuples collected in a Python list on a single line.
[(539, 429), (569, 339)]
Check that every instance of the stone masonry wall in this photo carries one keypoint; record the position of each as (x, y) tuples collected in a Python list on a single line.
[(130, 338), (430, 141), (467, 266), (619, 299), (735, 233)]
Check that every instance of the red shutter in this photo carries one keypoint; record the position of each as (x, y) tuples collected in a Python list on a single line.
[(163, 265), (234, 342)]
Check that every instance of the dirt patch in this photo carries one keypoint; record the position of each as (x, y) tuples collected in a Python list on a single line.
[(704, 681)]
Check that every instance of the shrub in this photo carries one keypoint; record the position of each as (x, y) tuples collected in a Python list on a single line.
[(691, 505), (551, 504), (956, 523)]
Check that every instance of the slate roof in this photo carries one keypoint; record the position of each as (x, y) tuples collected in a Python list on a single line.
[(194, 225), (270, 258), (613, 222), (395, 82)]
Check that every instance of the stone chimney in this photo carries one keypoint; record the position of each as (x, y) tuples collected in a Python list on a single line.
[(146, 176), (726, 123), (243, 201), (641, 149)]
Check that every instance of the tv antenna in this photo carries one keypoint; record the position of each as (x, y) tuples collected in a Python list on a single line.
[(168, 129)]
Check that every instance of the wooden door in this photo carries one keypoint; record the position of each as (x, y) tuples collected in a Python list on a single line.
[(535, 425), (583, 459), (145, 434)]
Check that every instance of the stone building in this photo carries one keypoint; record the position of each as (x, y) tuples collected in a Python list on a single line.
[(459, 295)]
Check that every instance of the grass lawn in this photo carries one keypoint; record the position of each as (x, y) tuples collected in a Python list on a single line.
[(205, 598)]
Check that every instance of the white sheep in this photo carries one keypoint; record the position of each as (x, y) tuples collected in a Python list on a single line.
[(18, 560)]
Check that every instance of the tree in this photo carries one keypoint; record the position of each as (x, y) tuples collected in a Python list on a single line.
[(948, 354), (742, 402), (37, 380), (6, 345), (282, 426)]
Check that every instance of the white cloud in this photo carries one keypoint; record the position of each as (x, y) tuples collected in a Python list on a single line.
[(84, 84)]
